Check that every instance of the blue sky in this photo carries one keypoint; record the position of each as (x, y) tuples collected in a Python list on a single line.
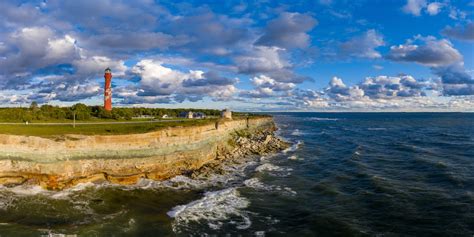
[(322, 55)]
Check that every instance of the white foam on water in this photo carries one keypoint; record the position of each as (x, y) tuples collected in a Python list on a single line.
[(50, 233), (289, 190), (376, 129), (213, 209), (255, 183), (322, 119), (268, 167), (26, 190), (32, 190), (293, 147), (178, 182), (297, 132), (274, 170), (293, 157), (77, 188), (266, 157), (183, 182), (232, 173), (9, 196), (271, 167)]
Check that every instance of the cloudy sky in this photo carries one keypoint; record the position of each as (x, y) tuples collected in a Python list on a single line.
[(320, 55)]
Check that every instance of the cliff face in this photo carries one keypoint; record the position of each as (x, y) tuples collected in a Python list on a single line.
[(124, 159)]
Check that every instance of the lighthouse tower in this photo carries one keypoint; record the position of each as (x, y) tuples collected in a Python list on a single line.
[(108, 90)]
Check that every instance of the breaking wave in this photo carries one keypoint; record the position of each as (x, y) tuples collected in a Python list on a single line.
[(231, 174), (255, 183), (268, 167), (274, 170), (32, 190), (293, 147), (213, 209)]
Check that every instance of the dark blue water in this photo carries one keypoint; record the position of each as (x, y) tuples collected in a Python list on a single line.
[(389, 173), (348, 174)]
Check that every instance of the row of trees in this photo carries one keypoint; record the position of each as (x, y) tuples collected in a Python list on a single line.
[(84, 112)]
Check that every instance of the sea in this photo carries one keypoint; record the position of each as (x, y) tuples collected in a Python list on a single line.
[(345, 174)]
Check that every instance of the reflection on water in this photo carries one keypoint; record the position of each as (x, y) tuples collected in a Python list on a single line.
[(346, 174)]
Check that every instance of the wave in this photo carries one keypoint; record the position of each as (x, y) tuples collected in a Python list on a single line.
[(25, 190), (321, 119), (51, 233), (255, 183), (357, 152), (271, 167), (213, 209), (293, 147), (32, 190), (294, 157), (177, 182), (376, 129), (228, 174), (297, 132), (274, 170)]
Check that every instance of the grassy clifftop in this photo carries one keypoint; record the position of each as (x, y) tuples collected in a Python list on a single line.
[(52, 121), (107, 128), (96, 129)]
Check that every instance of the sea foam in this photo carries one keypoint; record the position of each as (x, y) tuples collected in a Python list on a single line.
[(297, 132), (321, 119), (255, 183), (274, 170), (214, 209), (293, 147)]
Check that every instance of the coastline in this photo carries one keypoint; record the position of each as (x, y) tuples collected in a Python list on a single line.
[(56, 164)]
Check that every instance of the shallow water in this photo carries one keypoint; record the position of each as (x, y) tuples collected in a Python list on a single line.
[(346, 174)]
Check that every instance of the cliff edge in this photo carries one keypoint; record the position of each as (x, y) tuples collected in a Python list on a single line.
[(124, 159)]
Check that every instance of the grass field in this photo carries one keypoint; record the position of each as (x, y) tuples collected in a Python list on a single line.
[(95, 129)]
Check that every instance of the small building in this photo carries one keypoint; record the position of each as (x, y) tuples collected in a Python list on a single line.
[(226, 114), (186, 114), (199, 115)]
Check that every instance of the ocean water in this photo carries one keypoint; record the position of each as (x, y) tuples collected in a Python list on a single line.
[(346, 174)]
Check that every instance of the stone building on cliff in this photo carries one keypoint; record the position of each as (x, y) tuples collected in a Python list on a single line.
[(226, 114)]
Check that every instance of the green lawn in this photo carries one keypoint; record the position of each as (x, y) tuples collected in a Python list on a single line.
[(93, 129), (70, 120)]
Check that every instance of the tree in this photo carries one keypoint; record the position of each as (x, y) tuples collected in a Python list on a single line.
[(34, 106), (82, 111), (104, 113)]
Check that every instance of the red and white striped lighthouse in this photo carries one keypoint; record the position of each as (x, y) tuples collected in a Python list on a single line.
[(108, 90)]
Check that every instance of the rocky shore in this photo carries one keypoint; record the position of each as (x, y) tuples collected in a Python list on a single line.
[(244, 147), (125, 159)]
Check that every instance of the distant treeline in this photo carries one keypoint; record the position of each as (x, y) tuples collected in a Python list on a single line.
[(84, 112)]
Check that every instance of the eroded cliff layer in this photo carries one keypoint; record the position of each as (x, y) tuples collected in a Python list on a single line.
[(124, 159)]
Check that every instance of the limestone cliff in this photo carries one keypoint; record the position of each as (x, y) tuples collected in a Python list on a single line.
[(124, 159)]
